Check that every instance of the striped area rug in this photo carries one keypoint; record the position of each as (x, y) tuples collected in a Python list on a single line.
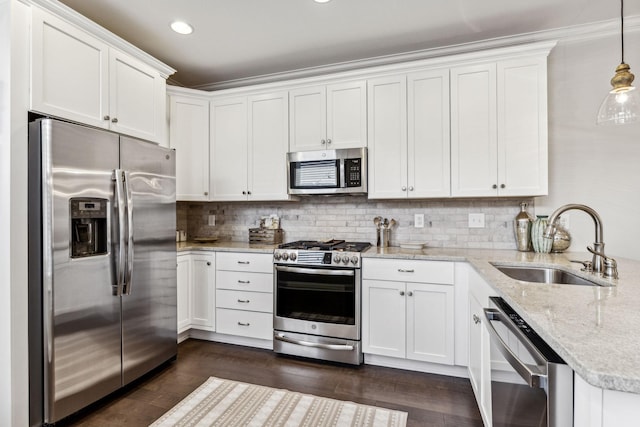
[(227, 403)]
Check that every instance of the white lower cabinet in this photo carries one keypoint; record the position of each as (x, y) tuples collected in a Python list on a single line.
[(196, 291), (408, 309), (244, 295)]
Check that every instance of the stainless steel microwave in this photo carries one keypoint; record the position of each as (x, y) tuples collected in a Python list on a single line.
[(341, 171)]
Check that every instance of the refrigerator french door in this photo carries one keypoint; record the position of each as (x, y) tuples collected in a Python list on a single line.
[(102, 277)]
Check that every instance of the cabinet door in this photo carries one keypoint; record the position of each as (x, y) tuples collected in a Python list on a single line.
[(228, 141), (70, 69), (189, 136), (184, 292), (383, 318), (268, 146), (387, 123), (479, 359), (347, 115), (430, 317), (522, 127), (474, 163), (308, 119), (428, 142), (203, 295), (137, 98)]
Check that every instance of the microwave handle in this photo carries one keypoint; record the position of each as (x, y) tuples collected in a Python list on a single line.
[(343, 181), (536, 375)]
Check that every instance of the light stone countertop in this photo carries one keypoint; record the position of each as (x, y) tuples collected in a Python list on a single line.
[(596, 330)]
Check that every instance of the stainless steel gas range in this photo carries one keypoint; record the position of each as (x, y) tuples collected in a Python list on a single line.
[(317, 300)]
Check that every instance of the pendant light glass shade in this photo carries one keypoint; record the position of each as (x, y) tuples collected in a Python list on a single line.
[(622, 103)]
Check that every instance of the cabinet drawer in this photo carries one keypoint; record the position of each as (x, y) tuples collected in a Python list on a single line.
[(243, 323), (408, 270), (240, 300), (243, 261), (237, 280)]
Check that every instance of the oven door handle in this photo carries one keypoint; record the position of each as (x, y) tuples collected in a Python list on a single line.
[(534, 375), (318, 271), (342, 347)]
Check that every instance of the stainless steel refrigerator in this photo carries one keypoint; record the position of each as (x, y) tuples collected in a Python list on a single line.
[(102, 264)]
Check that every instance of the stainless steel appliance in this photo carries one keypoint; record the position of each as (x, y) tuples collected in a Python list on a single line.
[(102, 257), (318, 300), (342, 171), (546, 397)]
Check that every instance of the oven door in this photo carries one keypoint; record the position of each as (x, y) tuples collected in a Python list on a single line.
[(320, 301)]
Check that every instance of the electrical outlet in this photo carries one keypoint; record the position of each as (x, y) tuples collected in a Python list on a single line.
[(476, 220), (418, 220), (212, 220)]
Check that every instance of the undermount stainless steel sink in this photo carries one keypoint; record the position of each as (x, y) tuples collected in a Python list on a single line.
[(543, 275)]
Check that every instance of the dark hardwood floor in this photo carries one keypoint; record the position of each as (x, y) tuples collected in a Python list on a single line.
[(430, 400)]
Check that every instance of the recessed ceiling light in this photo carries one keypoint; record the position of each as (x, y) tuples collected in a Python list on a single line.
[(322, 1), (181, 27)]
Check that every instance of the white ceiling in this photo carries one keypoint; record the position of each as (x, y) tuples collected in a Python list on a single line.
[(236, 39)]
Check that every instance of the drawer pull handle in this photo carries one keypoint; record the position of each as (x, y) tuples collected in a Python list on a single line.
[(244, 301), (244, 282), (244, 262), (476, 319), (244, 324), (402, 270)]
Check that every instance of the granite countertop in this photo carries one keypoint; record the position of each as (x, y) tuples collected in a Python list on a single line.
[(593, 328)]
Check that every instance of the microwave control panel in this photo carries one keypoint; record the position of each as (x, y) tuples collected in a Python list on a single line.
[(353, 172)]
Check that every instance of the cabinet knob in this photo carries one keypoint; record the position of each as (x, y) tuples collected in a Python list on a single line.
[(244, 192), (114, 120), (208, 262), (410, 293), (206, 193), (401, 293), (502, 186), (476, 319), (404, 188), (322, 141), (410, 188), (494, 186), (249, 192), (106, 117), (328, 141)]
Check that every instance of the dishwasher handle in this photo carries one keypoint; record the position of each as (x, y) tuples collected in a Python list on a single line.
[(534, 375)]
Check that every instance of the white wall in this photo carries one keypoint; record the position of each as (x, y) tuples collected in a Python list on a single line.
[(594, 165)]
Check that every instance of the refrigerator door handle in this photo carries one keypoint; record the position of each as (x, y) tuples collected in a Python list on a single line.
[(129, 270), (121, 259)]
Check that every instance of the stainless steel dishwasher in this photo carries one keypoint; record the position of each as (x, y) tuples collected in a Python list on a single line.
[(546, 397)]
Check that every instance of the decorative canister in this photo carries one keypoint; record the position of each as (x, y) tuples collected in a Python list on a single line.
[(561, 239), (522, 228), (540, 243)]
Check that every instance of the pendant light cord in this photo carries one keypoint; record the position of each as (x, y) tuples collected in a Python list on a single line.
[(622, 28)]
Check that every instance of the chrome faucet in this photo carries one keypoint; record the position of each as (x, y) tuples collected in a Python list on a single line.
[(600, 262)]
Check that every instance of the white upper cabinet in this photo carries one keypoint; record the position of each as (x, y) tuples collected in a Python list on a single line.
[(189, 136), (228, 143), (268, 146), (78, 77), (499, 128), (409, 135), (328, 117), (249, 143)]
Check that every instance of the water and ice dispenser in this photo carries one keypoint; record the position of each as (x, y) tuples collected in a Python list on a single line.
[(88, 227)]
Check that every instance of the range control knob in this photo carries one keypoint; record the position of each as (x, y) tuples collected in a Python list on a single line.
[(285, 256), (345, 259), (277, 256), (293, 256), (336, 259), (354, 260)]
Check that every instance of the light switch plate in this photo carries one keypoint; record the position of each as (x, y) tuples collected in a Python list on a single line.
[(418, 220), (212, 220), (476, 220)]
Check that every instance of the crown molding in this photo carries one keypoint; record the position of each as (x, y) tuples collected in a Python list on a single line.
[(72, 17), (575, 33)]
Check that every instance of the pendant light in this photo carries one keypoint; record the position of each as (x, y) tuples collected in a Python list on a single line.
[(622, 103)]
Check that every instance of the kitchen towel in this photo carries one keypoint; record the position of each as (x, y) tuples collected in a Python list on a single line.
[(220, 402)]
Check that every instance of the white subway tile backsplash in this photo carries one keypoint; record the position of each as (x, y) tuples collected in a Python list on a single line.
[(351, 218)]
